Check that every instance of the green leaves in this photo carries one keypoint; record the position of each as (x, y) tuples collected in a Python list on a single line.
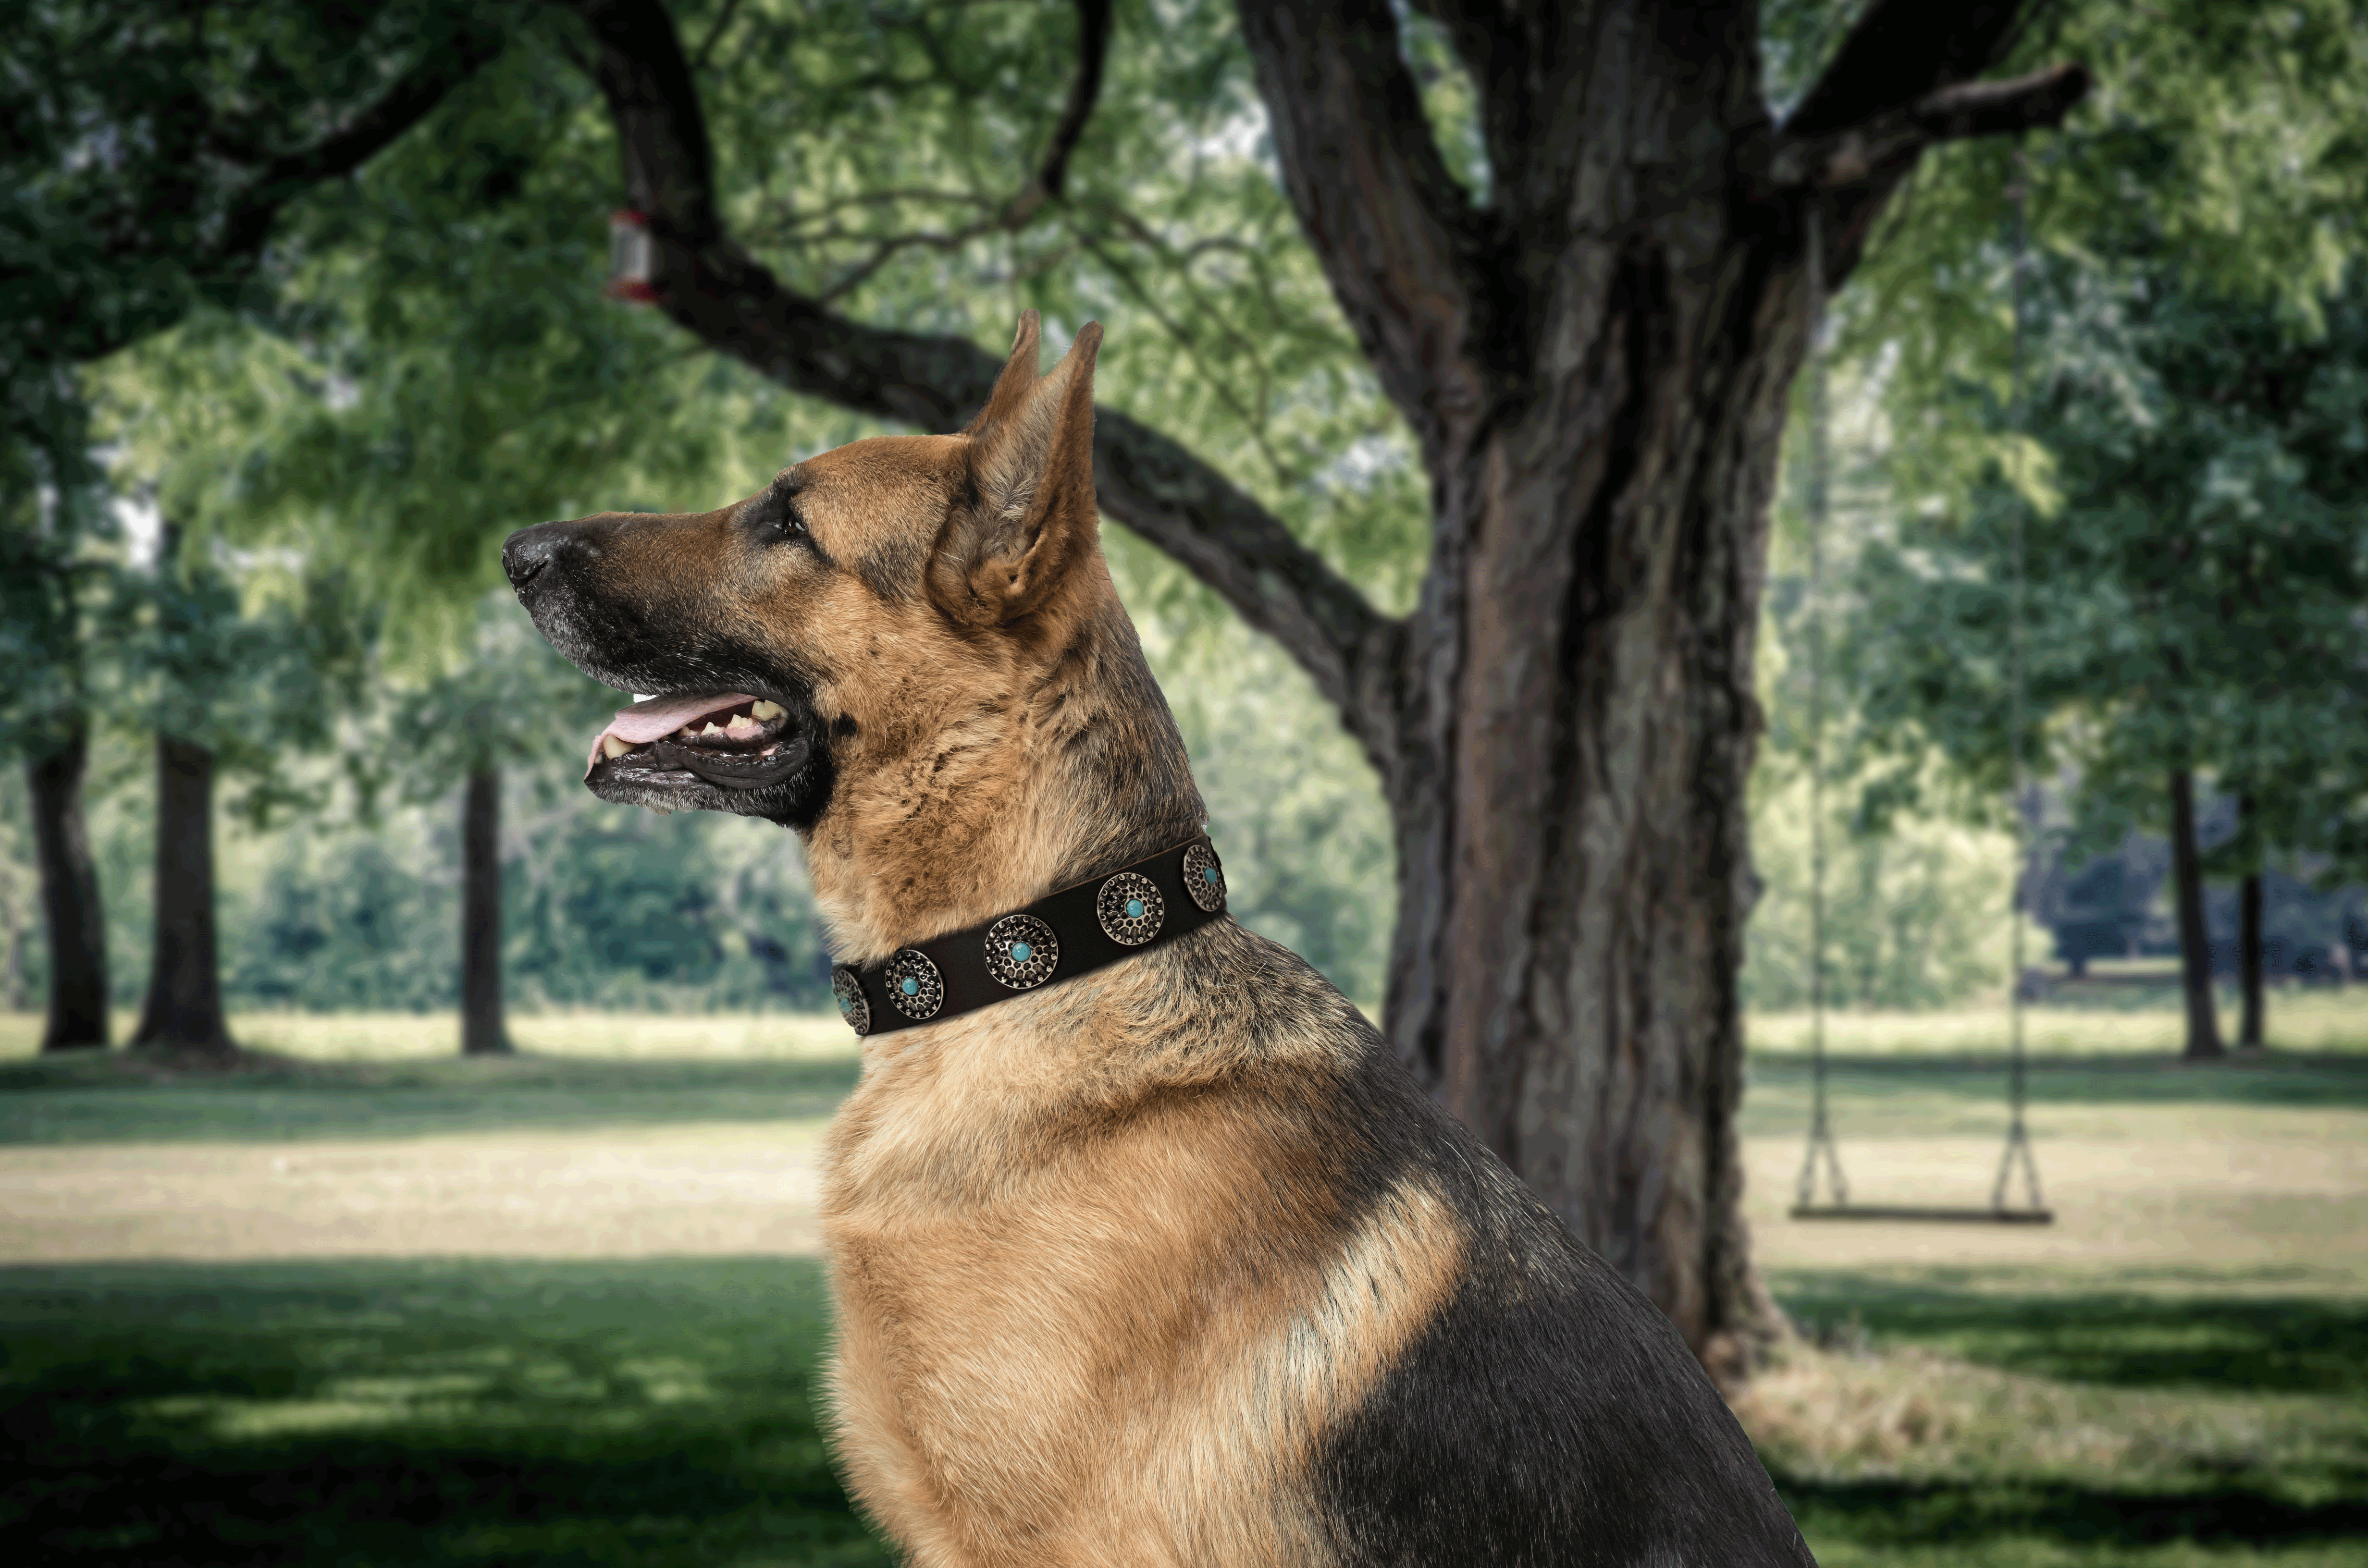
[(2196, 599)]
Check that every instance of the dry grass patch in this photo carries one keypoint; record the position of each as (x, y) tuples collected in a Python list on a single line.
[(407, 1037)]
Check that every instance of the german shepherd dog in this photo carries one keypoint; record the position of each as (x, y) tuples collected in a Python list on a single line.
[(1172, 1262)]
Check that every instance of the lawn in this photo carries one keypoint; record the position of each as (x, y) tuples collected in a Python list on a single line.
[(362, 1304), (419, 1412)]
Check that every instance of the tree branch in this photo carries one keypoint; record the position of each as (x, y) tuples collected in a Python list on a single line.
[(1902, 80), (1902, 51), (1851, 155), (662, 130), (714, 35), (1146, 480), (401, 107), (1395, 232), (1093, 50)]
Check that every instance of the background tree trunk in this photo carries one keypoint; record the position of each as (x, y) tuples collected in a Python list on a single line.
[(2194, 934), (184, 1011), (70, 907), (481, 1029), (2248, 962)]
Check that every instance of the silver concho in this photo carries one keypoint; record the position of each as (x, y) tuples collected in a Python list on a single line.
[(1129, 908), (1021, 952), (852, 1005), (1204, 878), (915, 987)]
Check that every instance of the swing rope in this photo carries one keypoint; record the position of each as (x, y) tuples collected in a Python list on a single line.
[(1822, 1153), (1821, 1145), (2017, 1152)]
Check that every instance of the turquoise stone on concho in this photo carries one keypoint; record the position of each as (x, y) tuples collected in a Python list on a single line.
[(1021, 952), (915, 987), (1130, 909), (1204, 878), (852, 1005)]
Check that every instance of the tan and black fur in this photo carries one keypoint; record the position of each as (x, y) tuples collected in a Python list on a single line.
[(1170, 1262)]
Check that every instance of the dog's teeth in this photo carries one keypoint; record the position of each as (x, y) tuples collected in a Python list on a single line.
[(613, 747), (713, 728), (765, 712)]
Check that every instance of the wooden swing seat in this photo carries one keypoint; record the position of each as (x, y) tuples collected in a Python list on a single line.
[(1917, 1213)]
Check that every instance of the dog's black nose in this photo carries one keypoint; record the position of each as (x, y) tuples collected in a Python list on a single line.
[(528, 550)]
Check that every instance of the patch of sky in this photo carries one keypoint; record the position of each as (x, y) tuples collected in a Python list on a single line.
[(1362, 464)]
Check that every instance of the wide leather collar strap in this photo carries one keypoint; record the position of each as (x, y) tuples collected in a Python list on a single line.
[(1062, 935)]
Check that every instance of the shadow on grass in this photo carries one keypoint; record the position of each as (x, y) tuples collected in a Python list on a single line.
[(659, 1413), (650, 1413), (1926, 1513), (2294, 1345), (2276, 1477), (119, 1097)]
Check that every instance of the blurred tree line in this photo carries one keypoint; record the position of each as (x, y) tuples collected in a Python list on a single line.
[(351, 903), (2133, 355)]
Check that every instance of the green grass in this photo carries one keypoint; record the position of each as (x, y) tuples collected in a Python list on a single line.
[(417, 1414), (116, 1097), (2176, 1377), (661, 1413), (1936, 1423)]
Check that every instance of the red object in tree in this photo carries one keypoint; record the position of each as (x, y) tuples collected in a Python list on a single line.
[(629, 254)]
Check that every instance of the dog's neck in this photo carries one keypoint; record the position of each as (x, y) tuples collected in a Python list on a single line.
[(989, 793)]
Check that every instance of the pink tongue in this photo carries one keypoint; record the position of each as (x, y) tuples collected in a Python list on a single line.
[(646, 721)]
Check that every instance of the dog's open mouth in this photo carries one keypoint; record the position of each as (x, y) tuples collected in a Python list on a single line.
[(726, 738)]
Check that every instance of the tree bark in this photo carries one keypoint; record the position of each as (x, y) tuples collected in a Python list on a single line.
[(71, 911), (184, 1011), (2194, 934), (481, 1029), (1594, 367)]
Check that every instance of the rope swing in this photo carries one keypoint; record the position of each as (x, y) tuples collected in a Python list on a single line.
[(1822, 1155), (2018, 1135)]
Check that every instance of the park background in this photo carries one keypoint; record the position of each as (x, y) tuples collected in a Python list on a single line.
[(337, 1293)]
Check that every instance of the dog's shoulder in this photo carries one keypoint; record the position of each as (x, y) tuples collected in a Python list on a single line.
[(1544, 1412)]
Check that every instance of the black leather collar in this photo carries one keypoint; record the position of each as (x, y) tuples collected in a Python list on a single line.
[(1062, 935)]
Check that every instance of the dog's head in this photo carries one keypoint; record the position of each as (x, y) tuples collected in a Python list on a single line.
[(850, 616)]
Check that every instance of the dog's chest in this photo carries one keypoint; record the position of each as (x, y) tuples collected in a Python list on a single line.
[(958, 1210), (1016, 1314)]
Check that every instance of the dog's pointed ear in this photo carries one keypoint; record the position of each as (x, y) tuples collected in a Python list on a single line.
[(1028, 516), (1017, 379)]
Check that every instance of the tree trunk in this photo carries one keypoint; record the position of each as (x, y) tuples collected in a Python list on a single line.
[(1571, 931), (2248, 962), (481, 1032), (1593, 360), (2248, 933), (70, 907), (184, 1011), (2194, 936)]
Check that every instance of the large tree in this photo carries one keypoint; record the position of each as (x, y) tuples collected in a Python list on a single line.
[(1591, 335)]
